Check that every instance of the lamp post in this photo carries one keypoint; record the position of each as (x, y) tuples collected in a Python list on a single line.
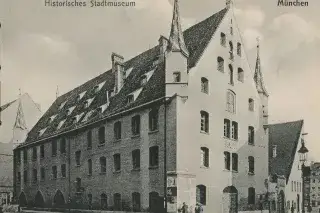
[(303, 155)]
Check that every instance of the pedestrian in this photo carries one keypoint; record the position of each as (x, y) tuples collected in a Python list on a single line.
[(309, 208), (184, 208)]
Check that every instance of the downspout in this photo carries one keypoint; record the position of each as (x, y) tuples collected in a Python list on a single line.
[(69, 171), (165, 156)]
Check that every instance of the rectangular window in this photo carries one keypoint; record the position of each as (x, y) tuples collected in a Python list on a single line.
[(153, 119), (234, 162), (103, 165), (204, 121), (117, 202), (34, 153), (117, 162), (136, 202), (223, 39), (42, 151), (226, 128), (227, 160), (204, 153), (25, 176), (135, 125), (251, 135), (176, 77), (35, 175), (234, 130), (25, 155), (136, 159), (63, 146), (42, 173), (54, 148), (54, 172), (89, 167), (239, 49), (19, 177), (102, 135), (251, 164), (117, 130), (251, 196), (154, 156), (63, 170), (78, 157), (89, 139)]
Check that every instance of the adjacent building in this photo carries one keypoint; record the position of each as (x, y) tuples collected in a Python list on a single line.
[(315, 184), (285, 140), (185, 120), (18, 117)]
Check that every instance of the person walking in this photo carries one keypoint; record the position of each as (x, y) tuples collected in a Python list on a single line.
[(184, 208)]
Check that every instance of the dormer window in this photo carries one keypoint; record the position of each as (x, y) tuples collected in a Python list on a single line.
[(143, 80), (62, 105), (88, 115), (103, 107), (42, 131), (176, 77), (80, 96), (52, 118), (70, 110), (88, 103), (130, 99), (98, 87), (60, 124)]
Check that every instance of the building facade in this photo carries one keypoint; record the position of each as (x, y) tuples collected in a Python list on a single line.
[(315, 184), (285, 140), (186, 117)]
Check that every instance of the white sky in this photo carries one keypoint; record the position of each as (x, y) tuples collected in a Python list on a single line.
[(44, 47)]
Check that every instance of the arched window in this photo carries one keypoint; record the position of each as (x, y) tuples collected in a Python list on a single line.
[(204, 156), (251, 164), (223, 39), (204, 121), (103, 165), (251, 196), (251, 104), (201, 194), (117, 202), (220, 62), (227, 160), (204, 85), (234, 162), (239, 49), (240, 74), (231, 101), (136, 201), (102, 135), (231, 50), (230, 74), (103, 201)]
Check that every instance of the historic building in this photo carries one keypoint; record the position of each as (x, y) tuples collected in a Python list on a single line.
[(187, 117), (18, 117), (315, 184), (285, 140)]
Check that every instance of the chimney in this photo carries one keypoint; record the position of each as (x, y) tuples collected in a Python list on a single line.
[(118, 69), (163, 44)]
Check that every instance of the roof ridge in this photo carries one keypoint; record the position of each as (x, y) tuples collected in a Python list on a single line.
[(287, 122)]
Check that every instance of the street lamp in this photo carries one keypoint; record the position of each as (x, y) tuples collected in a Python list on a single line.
[(303, 156)]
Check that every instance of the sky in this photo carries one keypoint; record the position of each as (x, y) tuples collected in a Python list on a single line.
[(43, 47)]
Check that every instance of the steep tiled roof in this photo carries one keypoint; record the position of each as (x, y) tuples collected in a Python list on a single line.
[(196, 37), (285, 136)]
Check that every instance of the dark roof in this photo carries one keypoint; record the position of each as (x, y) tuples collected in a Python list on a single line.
[(196, 37), (286, 137), (3, 107)]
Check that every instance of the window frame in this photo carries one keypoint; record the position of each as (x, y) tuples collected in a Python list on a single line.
[(103, 165), (136, 125), (136, 159), (117, 162), (117, 130), (153, 120), (177, 77), (205, 123), (204, 85), (154, 156), (205, 157)]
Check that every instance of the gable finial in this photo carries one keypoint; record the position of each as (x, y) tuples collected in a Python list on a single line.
[(229, 3), (57, 92), (176, 39)]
